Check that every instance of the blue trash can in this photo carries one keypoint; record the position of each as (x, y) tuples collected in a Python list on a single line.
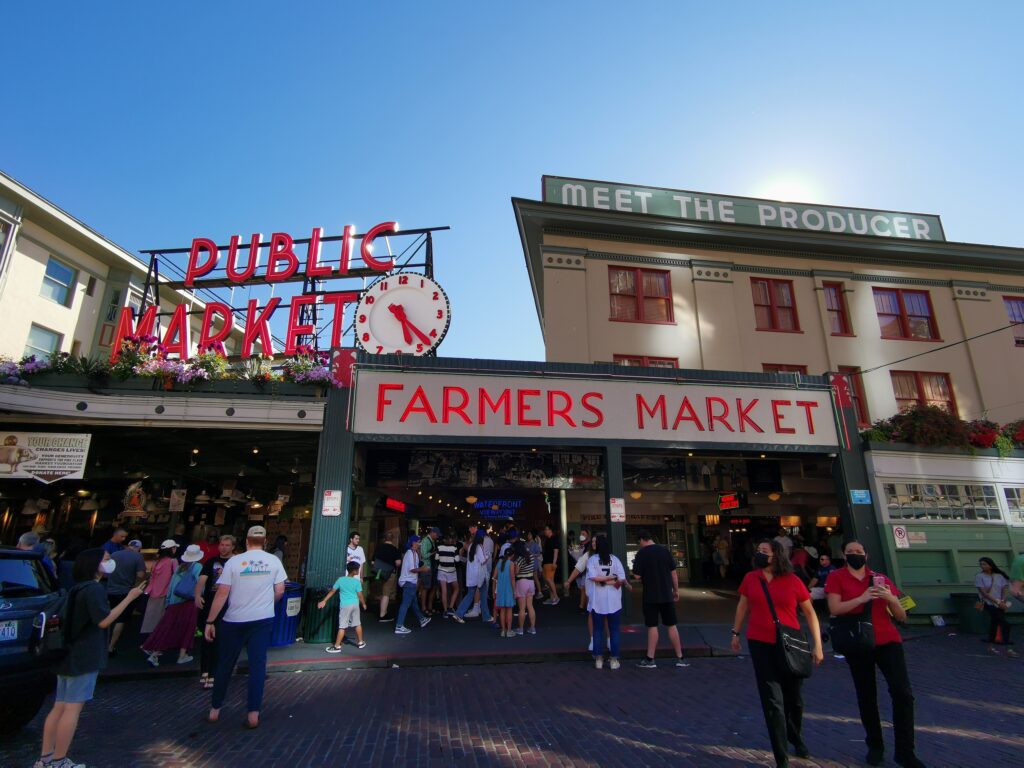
[(286, 615)]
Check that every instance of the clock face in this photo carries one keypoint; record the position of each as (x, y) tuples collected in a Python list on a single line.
[(402, 314)]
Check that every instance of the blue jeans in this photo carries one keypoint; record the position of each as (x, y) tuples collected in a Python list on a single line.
[(613, 631), (254, 636), (467, 602), (408, 598)]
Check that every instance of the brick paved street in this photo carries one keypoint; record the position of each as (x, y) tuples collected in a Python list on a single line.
[(970, 713)]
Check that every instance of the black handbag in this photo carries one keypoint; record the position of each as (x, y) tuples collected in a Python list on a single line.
[(853, 633), (792, 644)]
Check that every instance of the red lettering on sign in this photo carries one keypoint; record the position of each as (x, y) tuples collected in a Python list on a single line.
[(295, 330), (348, 234), (722, 418), (338, 301), (559, 412), (686, 413), (744, 414), (281, 249), (177, 329), (257, 326), (504, 401), (419, 403), (126, 327), (642, 407), (523, 408), (195, 269), (448, 407), (366, 249), (598, 414), (382, 399), (313, 266), (234, 274), (778, 417), (807, 405), (206, 338)]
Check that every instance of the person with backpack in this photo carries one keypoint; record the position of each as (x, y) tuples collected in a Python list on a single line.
[(85, 618), (177, 627)]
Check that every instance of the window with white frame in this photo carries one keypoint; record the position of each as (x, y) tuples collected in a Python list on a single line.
[(1015, 503), (939, 500), (41, 342), (57, 282)]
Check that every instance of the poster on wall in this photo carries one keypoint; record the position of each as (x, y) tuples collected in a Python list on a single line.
[(43, 456), (177, 500)]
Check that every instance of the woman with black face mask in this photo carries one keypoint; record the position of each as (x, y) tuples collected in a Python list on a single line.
[(779, 689), (849, 590)]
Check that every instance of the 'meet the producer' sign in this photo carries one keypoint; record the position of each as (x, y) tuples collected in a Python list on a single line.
[(697, 206), (450, 405)]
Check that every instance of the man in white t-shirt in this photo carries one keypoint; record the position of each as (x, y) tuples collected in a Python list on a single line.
[(255, 582), (355, 553), (785, 541)]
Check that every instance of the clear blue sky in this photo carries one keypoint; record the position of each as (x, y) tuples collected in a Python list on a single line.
[(158, 122)]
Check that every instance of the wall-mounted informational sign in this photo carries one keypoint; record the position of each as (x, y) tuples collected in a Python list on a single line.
[(177, 500), (617, 510), (698, 206), (860, 496), (43, 456), (332, 504), (899, 535)]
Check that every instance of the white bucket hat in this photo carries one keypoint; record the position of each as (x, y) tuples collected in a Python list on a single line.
[(193, 554)]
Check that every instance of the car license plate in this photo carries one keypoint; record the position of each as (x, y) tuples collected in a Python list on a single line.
[(8, 630)]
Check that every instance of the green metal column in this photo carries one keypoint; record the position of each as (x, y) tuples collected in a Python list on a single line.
[(614, 489), (329, 535)]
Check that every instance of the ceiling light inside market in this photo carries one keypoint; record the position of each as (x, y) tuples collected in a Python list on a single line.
[(471, 499), (255, 449), (774, 496), (195, 450), (635, 494)]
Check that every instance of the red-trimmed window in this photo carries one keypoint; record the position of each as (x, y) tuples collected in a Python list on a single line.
[(905, 314), (860, 403), (922, 388), (644, 361), (835, 304), (1015, 309), (783, 368), (774, 305), (640, 295)]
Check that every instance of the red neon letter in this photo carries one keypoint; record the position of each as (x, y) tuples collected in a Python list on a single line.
[(195, 269), (124, 327), (599, 416), (178, 327), (215, 308), (807, 405), (348, 234), (778, 417), (721, 418), (448, 407), (313, 266), (419, 403), (257, 326), (240, 276), (382, 400), (686, 413), (523, 408), (744, 414), (365, 250), (504, 401), (281, 249), (563, 412), (291, 335), (339, 300), (658, 407)]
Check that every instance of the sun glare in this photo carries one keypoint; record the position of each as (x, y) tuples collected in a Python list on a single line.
[(789, 189)]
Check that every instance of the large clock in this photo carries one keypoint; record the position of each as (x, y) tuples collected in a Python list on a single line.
[(402, 314)]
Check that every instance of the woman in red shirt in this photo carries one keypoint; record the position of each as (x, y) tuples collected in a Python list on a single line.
[(781, 701), (849, 589)]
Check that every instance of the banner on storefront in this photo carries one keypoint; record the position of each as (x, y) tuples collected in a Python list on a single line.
[(467, 405), (43, 456)]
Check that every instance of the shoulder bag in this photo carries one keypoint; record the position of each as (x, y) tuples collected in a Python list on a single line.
[(792, 644), (52, 642), (853, 633), (185, 589), (382, 569)]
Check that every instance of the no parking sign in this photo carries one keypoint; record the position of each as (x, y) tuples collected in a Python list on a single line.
[(899, 533)]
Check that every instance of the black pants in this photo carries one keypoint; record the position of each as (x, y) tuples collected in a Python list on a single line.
[(997, 621), (781, 701), (207, 650), (890, 660)]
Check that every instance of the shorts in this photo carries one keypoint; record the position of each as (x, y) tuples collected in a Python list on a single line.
[(666, 611), (444, 577), (114, 601), (389, 585), (549, 571), (525, 588), (348, 616), (425, 582), (77, 689)]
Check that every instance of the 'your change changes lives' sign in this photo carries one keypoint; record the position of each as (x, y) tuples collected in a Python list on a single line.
[(43, 456)]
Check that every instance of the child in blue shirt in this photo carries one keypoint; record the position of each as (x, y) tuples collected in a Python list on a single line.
[(350, 596)]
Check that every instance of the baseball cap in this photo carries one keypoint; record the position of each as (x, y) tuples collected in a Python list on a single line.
[(135, 543), (435, 529), (168, 543), (412, 540), (256, 531)]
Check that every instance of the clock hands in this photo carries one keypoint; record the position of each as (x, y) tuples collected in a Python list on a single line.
[(399, 312)]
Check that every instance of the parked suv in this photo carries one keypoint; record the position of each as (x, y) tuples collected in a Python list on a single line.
[(28, 597)]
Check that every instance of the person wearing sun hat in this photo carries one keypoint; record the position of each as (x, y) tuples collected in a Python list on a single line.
[(177, 627), (254, 580)]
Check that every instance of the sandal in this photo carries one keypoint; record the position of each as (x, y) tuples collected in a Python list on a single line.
[(208, 683), (203, 678)]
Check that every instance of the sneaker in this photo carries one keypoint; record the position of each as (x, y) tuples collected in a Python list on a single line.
[(40, 764), (66, 762), (681, 662), (875, 756), (184, 660), (458, 619), (531, 631), (599, 662), (153, 659), (361, 644), (473, 614), (554, 602), (801, 751), (838, 656), (646, 663), (549, 601), (385, 619), (614, 663), (400, 630), (519, 632), (424, 621), (333, 649)]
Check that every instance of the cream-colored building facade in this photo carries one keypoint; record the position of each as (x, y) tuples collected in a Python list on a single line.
[(63, 285), (640, 289)]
